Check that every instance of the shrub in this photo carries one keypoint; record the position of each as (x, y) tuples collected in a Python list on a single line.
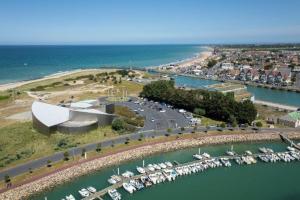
[(118, 124)]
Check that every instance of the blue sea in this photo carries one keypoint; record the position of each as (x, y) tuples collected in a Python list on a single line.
[(31, 62)]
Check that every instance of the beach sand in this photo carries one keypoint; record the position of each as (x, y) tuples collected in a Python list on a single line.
[(9, 86)]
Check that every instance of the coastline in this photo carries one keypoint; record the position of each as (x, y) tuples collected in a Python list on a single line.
[(8, 86), (40, 184), (202, 55)]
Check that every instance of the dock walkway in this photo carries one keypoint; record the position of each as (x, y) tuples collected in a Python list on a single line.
[(101, 193)]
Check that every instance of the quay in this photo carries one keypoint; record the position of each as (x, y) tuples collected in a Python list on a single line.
[(291, 142), (101, 193)]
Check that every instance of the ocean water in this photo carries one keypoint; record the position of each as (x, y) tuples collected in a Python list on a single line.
[(30, 62), (268, 181)]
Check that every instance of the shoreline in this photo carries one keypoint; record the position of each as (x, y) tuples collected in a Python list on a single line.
[(18, 83), (69, 173)]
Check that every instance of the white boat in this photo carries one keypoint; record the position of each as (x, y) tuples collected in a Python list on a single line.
[(114, 194), (291, 148), (157, 167), (150, 167), (128, 187), (114, 179), (141, 170), (84, 192), (206, 155), (70, 197), (230, 153), (128, 174), (169, 164), (162, 165), (248, 152), (91, 189)]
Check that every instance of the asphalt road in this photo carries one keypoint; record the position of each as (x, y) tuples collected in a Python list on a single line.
[(162, 121)]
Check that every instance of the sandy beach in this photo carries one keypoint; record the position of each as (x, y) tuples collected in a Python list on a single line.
[(46, 182), (9, 86)]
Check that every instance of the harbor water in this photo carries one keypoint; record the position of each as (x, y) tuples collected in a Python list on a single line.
[(263, 94), (268, 181)]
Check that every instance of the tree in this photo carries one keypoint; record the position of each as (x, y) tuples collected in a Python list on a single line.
[(169, 130), (7, 179), (223, 125), (118, 124), (211, 63), (182, 128), (112, 143), (83, 151), (66, 155), (49, 163), (199, 111), (141, 136), (259, 124), (98, 148), (127, 140), (30, 170)]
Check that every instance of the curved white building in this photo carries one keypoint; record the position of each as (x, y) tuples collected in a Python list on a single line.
[(79, 117)]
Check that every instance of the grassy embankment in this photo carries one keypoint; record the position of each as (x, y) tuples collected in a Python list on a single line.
[(20, 142), (107, 150)]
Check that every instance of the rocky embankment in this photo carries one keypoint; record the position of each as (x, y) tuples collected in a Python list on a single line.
[(26, 190)]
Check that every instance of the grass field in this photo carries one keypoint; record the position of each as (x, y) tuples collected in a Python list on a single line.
[(20, 142)]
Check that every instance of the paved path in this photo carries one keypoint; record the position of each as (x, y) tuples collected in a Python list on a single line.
[(41, 162)]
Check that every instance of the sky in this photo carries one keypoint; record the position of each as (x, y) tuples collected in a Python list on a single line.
[(149, 21)]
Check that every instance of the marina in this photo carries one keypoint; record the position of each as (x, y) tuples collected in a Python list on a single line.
[(169, 171)]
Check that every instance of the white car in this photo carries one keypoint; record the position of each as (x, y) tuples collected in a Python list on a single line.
[(181, 111), (162, 111)]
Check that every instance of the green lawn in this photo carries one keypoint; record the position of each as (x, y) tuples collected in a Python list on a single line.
[(20, 142)]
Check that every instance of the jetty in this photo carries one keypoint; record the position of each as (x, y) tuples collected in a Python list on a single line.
[(289, 141), (268, 156)]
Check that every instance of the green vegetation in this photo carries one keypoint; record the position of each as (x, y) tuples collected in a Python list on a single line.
[(4, 97), (20, 142), (211, 63), (259, 124), (216, 105), (128, 120)]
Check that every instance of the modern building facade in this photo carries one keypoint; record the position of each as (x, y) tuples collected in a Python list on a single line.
[(77, 117)]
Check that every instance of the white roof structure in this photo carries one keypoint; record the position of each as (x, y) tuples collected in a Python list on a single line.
[(50, 115), (81, 105), (91, 111)]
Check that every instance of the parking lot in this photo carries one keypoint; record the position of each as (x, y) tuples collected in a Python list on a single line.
[(158, 116)]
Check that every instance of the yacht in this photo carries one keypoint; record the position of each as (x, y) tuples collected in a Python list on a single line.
[(114, 179), (162, 165), (70, 197), (263, 149), (128, 187), (230, 153), (128, 174), (157, 167), (84, 192), (150, 167), (169, 164), (114, 194), (248, 153), (291, 148), (91, 189), (141, 170)]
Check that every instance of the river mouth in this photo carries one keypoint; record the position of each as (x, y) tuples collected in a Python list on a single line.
[(209, 181)]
